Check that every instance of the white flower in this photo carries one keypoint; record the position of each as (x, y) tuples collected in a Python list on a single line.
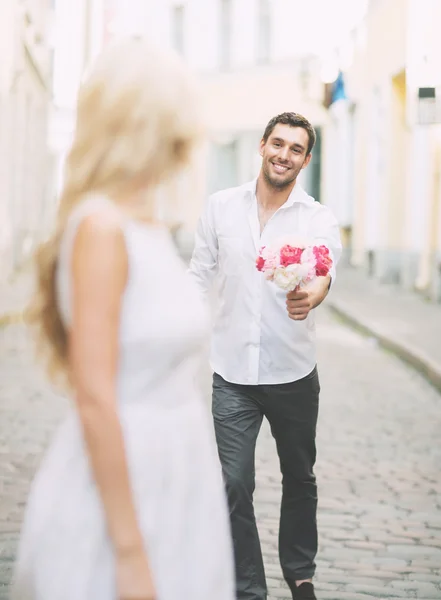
[(288, 278), (282, 279)]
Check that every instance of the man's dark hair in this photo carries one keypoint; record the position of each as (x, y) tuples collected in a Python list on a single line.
[(293, 120)]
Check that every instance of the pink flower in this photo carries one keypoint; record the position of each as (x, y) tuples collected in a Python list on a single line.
[(323, 260), (292, 263), (290, 255), (271, 259), (267, 261), (260, 263)]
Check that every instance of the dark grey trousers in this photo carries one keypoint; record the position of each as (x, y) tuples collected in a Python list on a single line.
[(292, 411)]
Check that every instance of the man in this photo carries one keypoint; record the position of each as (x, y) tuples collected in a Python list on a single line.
[(263, 350)]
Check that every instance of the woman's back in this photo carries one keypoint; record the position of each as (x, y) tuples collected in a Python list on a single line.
[(164, 322), (129, 501), (175, 476)]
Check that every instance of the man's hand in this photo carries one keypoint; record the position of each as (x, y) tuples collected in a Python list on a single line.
[(300, 303)]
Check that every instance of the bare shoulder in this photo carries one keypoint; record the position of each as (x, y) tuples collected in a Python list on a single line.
[(101, 224), (99, 243)]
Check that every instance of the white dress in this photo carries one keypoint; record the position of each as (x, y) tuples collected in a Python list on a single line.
[(65, 552)]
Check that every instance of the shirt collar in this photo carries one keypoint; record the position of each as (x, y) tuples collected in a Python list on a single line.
[(298, 194)]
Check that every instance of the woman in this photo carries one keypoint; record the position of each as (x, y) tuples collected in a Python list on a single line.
[(128, 503)]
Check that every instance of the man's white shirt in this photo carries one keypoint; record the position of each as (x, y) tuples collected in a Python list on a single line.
[(254, 342)]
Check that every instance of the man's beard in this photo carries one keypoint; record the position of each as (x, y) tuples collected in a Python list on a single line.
[(277, 183)]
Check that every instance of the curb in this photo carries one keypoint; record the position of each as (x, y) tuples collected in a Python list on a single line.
[(412, 356)]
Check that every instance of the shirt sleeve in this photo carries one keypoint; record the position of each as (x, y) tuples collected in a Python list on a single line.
[(204, 261), (326, 231)]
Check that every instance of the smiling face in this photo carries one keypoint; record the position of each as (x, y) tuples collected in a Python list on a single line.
[(284, 155)]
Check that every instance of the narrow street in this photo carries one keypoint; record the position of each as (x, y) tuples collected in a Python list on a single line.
[(379, 456), (378, 471)]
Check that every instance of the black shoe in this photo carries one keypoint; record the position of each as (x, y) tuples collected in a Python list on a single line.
[(304, 592)]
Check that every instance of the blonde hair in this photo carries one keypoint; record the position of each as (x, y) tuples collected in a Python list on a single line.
[(138, 123)]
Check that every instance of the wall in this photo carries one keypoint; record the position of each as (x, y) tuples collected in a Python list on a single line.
[(376, 85), (78, 35), (25, 75), (395, 178)]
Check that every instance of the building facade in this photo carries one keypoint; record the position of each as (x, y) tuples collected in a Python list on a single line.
[(79, 32), (254, 59), (382, 145), (25, 100)]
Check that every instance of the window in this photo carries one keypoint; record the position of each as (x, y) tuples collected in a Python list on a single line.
[(225, 33), (263, 31), (178, 28)]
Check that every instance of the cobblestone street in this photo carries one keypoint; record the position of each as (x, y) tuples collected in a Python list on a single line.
[(379, 456)]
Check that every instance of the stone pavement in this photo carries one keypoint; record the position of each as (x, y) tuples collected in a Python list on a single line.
[(402, 322), (14, 295), (379, 453), (29, 412)]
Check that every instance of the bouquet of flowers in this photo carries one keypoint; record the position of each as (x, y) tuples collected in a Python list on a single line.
[(291, 265)]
